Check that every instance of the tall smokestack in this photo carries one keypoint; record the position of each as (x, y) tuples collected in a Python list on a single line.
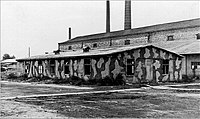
[(127, 19), (107, 16), (29, 51), (69, 33)]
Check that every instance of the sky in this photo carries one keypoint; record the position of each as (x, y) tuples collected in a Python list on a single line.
[(41, 25)]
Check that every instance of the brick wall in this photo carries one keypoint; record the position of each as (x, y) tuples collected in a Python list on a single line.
[(180, 34)]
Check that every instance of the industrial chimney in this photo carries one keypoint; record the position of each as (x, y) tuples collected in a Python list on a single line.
[(107, 16), (127, 18), (69, 33)]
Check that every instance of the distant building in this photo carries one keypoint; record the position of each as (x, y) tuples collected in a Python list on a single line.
[(146, 54), (9, 64)]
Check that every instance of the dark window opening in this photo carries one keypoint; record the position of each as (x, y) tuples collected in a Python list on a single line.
[(195, 65), (86, 49), (67, 67), (40, 67), (110, 42), (127, 42), (94, 45), (170, 38), (87, 66), (198, 36), (52, 67), (27, 67), (70, 47), (165, 67), (130, 67), (82, 45)]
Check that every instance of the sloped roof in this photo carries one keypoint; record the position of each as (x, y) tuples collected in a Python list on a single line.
[(95, 52), (153, 28), (9, 61), (181, 47)]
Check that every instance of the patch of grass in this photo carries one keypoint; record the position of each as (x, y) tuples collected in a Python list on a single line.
[(118, 105)]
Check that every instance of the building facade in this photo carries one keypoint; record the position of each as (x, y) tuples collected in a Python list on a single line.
[(182, 30), (144, 63)]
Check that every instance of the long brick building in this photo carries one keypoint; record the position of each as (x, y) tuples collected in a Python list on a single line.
[(149, 54)]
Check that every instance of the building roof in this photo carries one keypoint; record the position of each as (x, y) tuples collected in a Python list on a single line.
[(147, 29), (95, 52), (182, 47), (9, 61)]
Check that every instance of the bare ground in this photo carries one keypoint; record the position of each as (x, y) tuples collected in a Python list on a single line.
[(12, 109), (121, 105), (147, 103)]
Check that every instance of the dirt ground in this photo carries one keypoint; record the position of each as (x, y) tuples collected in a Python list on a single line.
[(121, 105), (12, 109), (145, 103)]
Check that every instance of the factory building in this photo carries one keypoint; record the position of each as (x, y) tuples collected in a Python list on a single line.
[(157, 53)]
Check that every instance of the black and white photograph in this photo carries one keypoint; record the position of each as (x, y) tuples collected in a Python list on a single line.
[(100, 59)]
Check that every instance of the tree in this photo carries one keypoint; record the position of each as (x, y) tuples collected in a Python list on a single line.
[(7, 56)]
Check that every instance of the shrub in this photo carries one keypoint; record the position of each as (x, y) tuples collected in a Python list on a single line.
[(22, 77), (56, 80), (75, 80), (33, 79), (43, 78), (25, 75), (107, 81), (186, 78), (90, 82), (12, 76), (119, 80)]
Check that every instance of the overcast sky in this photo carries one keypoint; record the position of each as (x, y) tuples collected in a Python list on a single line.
[(41, 25)]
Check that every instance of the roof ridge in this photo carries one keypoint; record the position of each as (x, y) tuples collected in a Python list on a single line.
[(144, 29)]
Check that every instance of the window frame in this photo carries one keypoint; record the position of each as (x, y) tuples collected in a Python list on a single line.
[(66, 64), (198, 36), (40, 67), (94, 45), (110, 43), (52, 66), (132, 65), (87, 65), (27, 67), (170, 38), (127, 42), (195, 64), (165, 67), (70, 47)]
